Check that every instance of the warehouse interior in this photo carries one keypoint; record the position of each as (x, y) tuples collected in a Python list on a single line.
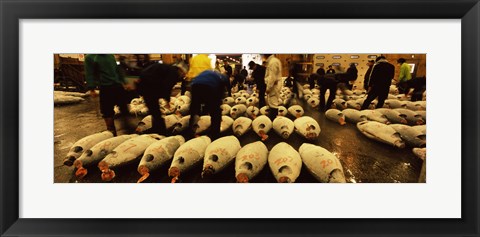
[(361, 158)]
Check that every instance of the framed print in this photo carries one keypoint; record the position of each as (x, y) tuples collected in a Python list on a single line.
[(442, 36)]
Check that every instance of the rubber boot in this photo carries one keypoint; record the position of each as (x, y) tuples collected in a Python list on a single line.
[(111, 126), (126, 123)]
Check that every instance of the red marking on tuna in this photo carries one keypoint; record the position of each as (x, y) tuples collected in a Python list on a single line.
[(130, 147), (326, 163), (283, 160)]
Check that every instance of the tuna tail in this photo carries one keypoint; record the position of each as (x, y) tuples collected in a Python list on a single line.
[(284, 179), (174, 172), (263, 135), (107, 173), (81, 172), (144, 171), (208, 171), (242, 178)]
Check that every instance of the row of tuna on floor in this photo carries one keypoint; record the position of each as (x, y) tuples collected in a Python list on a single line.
[(155, 151)]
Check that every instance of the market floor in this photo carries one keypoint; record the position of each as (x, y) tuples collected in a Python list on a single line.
[(363, 160)]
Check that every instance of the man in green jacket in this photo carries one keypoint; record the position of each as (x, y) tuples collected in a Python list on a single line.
[(101, 71), (404, 76)]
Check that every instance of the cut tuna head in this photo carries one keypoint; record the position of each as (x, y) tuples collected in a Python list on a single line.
[(242, 178)]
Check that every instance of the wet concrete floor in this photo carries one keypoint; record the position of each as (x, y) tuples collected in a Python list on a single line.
[(364, 160)]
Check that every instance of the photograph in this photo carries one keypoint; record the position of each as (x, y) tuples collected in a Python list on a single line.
[(240, 118)]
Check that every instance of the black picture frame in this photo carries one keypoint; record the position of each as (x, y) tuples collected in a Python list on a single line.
[(13, 11)]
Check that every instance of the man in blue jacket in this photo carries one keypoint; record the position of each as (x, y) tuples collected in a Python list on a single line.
[(208, 88)]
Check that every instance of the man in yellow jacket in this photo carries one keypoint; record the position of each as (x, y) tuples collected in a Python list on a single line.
[(198, 64), (404, 76)]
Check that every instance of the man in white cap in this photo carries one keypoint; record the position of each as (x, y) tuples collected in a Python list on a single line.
[(157, 81)]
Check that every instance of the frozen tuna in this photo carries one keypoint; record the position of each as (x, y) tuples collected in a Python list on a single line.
[(250, 161), (181, 100), (261, 126), (354, 116), (236, 95), (183, 109), (225, 109), (374, 115), (188, 155), (339, 104), (381, 132), (421, 128), (252, 101), (241, 126), (157, 154), (395, 104), (307, 97), (181, 125), (420, 152), (265, 110), (240, 100), (285, 163), (65, 99), (307, 127), (393, 115), (336, 116), (393, 89), (126, 153), (322, 164), (144, 125), (253, 112), (171, 120), (410, 135), (226, 123), (202, 124), (229, 101), (219, 154), (238, 111), (412, 117), (422, 113), (97, 153), (313, 102), (282, 111), (283, 126), (84, 144), (296, 111), (353, 104)]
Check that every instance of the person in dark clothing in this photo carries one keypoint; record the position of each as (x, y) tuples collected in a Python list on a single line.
[(228, 69), (208, 88), (367, 74), (330, 70), (352, 74), (238, 79), (156, 81), (258, 75), (311, 80), (419, 85), (380, 81), (327, 82), (321, 71), (244, 72), (291, 82)]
